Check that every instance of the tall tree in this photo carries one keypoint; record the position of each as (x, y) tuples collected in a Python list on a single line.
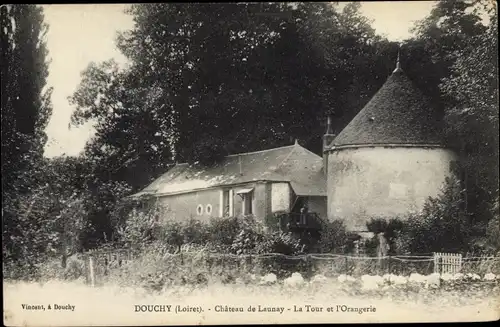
[(428, 56), (472, 116), (26, 110), (452, 58)]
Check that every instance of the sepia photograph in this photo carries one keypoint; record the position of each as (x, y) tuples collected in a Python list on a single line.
[(250, 163)]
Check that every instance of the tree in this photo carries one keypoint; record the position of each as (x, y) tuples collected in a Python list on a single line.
[(227, 80), (452, 59), (26, 110), (428, 56), (51, 218), (472, 116)]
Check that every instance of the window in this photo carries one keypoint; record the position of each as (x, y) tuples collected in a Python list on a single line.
[(247, 204), (225, 203), (199, 210), (208, 209)]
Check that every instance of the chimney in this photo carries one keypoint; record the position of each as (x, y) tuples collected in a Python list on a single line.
[(327, 140)]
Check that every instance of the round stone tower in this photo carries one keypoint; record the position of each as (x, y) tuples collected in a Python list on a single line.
[(389, 159)]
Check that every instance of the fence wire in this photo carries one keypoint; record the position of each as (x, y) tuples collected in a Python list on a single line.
[(328, 264)]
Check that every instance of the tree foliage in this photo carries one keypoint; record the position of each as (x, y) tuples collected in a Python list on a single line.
[(453, 59), (428, 56), (472, 116), (26, 109)]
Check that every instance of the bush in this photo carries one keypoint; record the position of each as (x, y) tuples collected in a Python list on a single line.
[(173, 234), (223, 231), (273, 221), (493, 231), (51, 269), (351, 239), (371, 246), (391, 227), (141, 225), (377, 225), (490, 243), (194, 231), (442, 226), (248, 239), (279, 242), (283, 243), (333, 237)]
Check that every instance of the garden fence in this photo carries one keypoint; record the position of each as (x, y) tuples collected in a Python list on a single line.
[(447, 263), (101, 263)]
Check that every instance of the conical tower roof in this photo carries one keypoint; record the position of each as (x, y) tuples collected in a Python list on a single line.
[(397, 114)]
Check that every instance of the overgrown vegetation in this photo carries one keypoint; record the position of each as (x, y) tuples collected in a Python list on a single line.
[(443, 225), (180, 100)]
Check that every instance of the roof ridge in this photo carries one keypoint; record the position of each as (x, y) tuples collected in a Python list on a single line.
[(247, 153), (286, 158), (260, 151), (307, 150)]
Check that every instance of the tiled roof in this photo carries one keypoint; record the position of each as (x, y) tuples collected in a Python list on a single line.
[(294, 164), (397, 114)]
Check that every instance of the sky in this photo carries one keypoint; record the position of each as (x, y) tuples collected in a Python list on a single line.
[(81, 34)]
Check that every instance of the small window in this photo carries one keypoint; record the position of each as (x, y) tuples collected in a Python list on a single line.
[(199, 210), (208, 209), (247, 203)]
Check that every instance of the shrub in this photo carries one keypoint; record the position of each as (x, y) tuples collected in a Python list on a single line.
[(377, 225), (223, 231), (194, 231), (283, 243), (173, 234), (51, 269), (391, 227), (371, 246), (279, 242), (442, 226), (273, 222), (141, 225), (248, 238), (351, 239), (492, 244), (333, 237)]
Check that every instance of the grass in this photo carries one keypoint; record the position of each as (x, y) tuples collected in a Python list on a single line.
[(156, 278)]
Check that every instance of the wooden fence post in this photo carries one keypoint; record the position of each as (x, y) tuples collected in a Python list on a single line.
[(91, 268), (309, 263), (389, 264), (86, 267)]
